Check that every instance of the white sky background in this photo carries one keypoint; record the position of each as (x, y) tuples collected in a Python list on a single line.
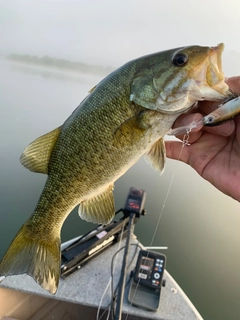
[(112, 32)]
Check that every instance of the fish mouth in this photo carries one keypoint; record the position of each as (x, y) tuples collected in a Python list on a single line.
[(214, 72), (210, 77)]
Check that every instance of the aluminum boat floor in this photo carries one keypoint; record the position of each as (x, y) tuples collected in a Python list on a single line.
[(79, 295)]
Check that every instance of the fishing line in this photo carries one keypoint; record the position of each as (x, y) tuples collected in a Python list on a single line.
[(185, 142)]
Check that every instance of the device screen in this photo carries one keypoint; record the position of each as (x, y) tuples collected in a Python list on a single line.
[(146, 267)]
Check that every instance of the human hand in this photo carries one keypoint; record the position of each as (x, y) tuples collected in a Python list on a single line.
[(213, 152)]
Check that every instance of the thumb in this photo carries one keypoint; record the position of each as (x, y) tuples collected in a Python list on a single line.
[(176, 151)]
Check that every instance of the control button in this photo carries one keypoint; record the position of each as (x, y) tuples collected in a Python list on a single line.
[(155, 282), (160, 270), (156, 275)]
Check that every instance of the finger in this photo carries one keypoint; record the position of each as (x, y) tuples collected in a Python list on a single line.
[(176, 151), (186, 119), (225, 129), (234, 84), (207, 107)]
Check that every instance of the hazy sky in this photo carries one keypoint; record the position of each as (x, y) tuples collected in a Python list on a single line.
[(112, 32)]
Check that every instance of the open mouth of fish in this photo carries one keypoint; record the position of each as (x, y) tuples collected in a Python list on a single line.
[(212, 73)]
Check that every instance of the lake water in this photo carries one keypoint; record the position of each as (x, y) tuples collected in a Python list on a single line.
[(199, 224)]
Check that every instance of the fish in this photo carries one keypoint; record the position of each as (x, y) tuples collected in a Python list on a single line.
[(125, 116), (224, 113)]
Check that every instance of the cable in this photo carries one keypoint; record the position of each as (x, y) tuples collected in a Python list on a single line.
[(114, 292), (118, 315), (133, 244), (109, 282), (111, 305)]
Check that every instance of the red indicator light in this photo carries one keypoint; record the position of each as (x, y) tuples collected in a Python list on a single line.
[(133, 205)]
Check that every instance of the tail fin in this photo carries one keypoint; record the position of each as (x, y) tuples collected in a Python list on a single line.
[(39, 259)]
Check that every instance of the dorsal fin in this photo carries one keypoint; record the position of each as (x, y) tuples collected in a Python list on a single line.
[(99, 209), (156, 157), (91, 90), (36, 155)]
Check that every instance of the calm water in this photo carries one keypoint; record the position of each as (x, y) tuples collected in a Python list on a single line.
[(199, 224)]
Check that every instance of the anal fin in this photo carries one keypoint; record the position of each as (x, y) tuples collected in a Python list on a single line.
[(99, 209)]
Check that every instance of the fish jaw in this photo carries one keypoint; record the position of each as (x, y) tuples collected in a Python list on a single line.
[(210, 77), (201, 78)]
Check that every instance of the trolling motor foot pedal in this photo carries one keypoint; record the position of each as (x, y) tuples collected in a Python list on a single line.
[(147, 281)]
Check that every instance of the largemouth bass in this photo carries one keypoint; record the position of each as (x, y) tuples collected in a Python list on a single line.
[(124, 117)]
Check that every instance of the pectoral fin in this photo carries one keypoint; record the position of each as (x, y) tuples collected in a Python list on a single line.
[(99, 209), (134, 128), (36, 155), (156, 157), (129, 132)]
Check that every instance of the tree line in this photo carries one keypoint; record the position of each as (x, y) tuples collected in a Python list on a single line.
[(60, 63)]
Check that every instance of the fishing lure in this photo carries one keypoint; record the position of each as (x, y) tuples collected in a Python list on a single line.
[(226, 111)]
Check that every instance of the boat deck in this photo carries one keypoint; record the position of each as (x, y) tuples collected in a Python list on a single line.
[(79, 295)]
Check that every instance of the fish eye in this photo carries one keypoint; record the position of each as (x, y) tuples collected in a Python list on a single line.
[(210, 119), (180, 59)]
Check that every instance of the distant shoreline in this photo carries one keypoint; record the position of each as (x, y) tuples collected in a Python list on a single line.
[(51, 62)]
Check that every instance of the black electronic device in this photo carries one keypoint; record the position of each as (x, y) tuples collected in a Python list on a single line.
[(149, 268), (147, 281), (135, 201)]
